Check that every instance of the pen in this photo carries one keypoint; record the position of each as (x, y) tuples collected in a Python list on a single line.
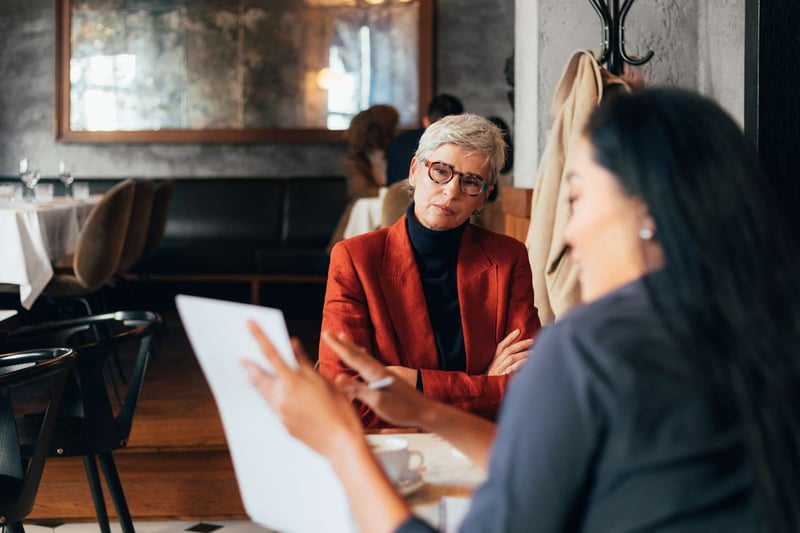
[(381, 383)]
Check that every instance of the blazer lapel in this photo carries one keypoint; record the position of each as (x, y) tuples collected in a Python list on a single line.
[(478, 300), (405, 300)]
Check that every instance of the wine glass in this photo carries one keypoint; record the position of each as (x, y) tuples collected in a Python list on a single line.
[(28, 175), (66, 176)]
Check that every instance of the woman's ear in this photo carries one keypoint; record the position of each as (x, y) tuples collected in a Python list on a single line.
[(647, 226), (652, 250), (412, 172)]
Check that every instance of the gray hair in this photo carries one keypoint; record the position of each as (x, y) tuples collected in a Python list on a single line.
[(470, 132)]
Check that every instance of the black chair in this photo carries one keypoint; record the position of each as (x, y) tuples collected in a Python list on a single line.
[(90, 423), (27, 377)]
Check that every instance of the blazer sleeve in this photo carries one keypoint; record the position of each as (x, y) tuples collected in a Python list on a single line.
[(345, 310), (479, 393)]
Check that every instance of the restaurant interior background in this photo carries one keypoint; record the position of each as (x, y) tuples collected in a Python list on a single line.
[(697, 44)]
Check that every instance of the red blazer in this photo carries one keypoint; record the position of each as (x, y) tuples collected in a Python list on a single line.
[(374, 294)]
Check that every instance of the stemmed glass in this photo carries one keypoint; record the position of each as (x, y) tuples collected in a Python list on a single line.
[(66, 176), (28, 175)]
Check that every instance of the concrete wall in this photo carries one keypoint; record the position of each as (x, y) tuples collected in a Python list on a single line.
[(721, 54), (474, 37), (698, 44)]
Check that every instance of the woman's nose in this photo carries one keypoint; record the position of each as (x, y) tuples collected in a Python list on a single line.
[(453, 187)]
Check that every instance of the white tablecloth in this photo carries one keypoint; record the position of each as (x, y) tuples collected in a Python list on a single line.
[(365, 215), (32, 236)]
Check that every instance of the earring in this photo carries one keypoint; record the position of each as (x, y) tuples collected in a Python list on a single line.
[(645, 234)]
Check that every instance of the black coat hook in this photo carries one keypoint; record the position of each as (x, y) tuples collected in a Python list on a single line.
[(613, 53)]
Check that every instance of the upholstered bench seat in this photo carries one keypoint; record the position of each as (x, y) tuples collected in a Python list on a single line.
[(253, 230)]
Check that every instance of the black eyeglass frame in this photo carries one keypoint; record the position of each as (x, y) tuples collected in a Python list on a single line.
[(485, 186)]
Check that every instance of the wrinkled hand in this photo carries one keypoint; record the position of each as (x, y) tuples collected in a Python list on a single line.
[(310, 407), (399, 404), (509, 355)]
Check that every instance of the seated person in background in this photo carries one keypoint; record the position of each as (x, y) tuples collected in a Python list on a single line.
[(446, 304), (491, 216), (401, 149), (667, 402), (505, 177), (365, 166)]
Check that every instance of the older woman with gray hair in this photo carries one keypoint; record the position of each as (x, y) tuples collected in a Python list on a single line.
[(446, 305)]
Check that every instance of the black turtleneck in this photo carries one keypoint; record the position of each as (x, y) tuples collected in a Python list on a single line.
[(436, 253)]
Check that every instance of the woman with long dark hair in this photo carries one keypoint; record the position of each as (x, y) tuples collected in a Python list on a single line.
[(667, 402), (731, 269)]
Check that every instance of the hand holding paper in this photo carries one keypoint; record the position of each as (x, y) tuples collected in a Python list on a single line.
[(277, 474), (309, 406)]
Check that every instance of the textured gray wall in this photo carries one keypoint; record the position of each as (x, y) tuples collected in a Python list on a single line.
[(664, 26), (474, 37), (721, 54), (473, 40), (699, 44)]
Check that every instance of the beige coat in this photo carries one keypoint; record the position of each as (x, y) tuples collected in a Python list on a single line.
[(555, 277)]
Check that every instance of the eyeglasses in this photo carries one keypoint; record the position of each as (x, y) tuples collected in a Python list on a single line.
[(442, 173)]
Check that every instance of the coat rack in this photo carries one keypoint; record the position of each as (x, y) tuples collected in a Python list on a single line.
[(614, 54)]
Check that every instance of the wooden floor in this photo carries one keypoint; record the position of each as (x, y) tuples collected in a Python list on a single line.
[(176, 465)]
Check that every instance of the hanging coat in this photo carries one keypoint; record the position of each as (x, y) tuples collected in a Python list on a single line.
[(555, 276)]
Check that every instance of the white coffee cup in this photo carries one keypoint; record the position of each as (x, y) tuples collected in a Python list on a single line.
[(395, 457)]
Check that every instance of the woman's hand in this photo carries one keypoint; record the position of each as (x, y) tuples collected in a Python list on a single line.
[(509, 355), (399, 403), (310, 407), (316, 412), (409, 375)]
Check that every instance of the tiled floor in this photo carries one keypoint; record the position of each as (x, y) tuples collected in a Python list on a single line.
[(218, 526)]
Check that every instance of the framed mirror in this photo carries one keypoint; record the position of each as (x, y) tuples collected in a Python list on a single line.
[(237, 70)]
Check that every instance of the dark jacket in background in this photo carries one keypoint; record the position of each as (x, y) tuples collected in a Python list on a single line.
[(399, 153)]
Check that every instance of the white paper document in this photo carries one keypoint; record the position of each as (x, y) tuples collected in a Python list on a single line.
[(284, 484)]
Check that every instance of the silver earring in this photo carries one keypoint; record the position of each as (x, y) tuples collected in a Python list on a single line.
[(645, 234)]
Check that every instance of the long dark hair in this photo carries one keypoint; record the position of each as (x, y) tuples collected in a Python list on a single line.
[(730, 262)]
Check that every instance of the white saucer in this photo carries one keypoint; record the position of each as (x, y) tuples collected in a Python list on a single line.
[(410, 483)]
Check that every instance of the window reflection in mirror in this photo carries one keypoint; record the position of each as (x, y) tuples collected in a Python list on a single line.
[(196, 65)]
